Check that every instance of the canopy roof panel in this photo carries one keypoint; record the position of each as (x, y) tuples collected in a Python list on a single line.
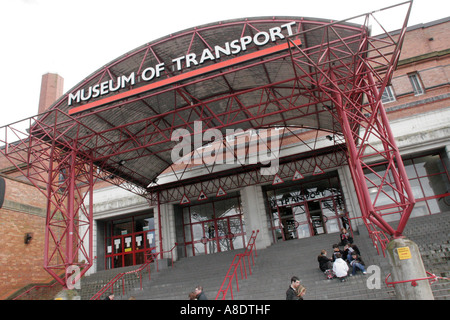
[(235, 74)]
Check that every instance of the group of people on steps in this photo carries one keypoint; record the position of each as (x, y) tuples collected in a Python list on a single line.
[(341, 260), (336, 266)]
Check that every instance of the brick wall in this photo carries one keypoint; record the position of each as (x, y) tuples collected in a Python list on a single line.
[(425, 52), (23, 212)]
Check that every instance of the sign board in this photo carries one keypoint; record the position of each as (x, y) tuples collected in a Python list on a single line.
[(277, 180), (231, 48), (297, 175), (404, 253), (317, 170), (220, 192), (202, 196), (185, 200)]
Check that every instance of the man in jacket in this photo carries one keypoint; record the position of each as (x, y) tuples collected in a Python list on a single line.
[(199, 293), (291, 293), (340, 268)]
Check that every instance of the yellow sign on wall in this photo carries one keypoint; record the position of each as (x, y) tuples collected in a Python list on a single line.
[(404, 253)]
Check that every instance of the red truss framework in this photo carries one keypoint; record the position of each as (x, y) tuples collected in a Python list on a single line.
[(328, 76)]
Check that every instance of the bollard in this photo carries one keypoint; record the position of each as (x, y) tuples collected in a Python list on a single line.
[(406, 264)]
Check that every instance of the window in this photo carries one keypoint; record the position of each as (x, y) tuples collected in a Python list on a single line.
[(429, 180), (388, 95), (416, 83)]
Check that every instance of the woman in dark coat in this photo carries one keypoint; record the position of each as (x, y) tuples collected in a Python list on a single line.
[(325, 263)]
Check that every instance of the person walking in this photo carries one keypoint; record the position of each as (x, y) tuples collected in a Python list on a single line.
[(291, 293), (199, 293)]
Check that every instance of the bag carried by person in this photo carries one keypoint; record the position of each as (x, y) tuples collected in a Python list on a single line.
[(329, 274)]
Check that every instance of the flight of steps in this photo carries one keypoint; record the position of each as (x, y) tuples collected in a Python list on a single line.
[(176, 283), (275, 265), (93, 283)]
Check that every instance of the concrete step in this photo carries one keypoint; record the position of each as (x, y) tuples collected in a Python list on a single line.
[(275, 265)]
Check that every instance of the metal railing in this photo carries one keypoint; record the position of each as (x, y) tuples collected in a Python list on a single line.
[(150, 257), (379, 238), (37, 287), (432, 278), (238, 261)]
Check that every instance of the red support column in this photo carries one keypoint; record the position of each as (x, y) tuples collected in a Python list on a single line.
[(401, 178), (373, 138), (69, 226), (354, 159)]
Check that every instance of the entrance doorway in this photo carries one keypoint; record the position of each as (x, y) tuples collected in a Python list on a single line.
[(211, 227), (317, 219), (128, 240), (306, 210)]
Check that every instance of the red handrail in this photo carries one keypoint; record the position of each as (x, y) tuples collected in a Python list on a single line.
[(150, 257), (377, 237), (36, 287), (153, 255), (432, 278), (238, 260)]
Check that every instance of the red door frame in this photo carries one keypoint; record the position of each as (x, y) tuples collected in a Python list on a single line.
[(205, 240), (133, 251)]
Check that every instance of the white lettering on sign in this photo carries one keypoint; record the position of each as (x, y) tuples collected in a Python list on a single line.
[(101, 89), (138, 240), (187, 61), (150, 237)]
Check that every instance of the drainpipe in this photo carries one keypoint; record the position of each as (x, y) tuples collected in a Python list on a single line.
[(161, 248)]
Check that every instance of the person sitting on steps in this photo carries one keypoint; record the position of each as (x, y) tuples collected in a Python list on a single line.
[(357, 263), (336, 250), (345, 237), (325, 263), (340, 268)]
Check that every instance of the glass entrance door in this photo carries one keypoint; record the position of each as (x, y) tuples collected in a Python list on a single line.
[(294, 222), (330, 215), (217, 235), (212, 227), (317, 221), (302, 221), (288, 225), (128, 241), (304, 210)]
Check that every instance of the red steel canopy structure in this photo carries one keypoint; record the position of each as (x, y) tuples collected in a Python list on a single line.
[(117, 124)]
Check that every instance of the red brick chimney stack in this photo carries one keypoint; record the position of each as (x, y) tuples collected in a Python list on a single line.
[(51, 89)]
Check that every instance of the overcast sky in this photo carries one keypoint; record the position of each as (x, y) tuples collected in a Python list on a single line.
[(76, 37)]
